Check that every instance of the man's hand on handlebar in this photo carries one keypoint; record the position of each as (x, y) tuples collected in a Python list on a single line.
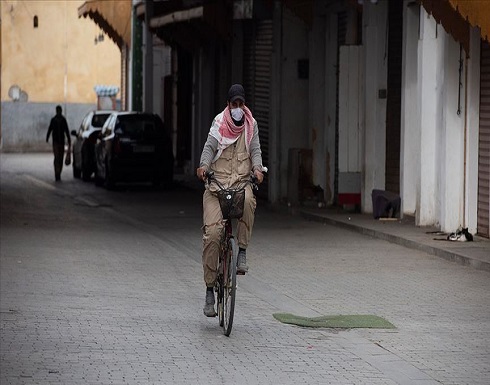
[(201, 173), (259, 176)]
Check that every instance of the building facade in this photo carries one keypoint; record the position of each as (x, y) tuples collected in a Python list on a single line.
[(350, 96), (50, 56)]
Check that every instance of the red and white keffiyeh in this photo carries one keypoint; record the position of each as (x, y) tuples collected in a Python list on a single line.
[(226, 132)]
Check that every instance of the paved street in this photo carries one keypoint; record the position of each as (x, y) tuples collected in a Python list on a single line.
[(101, 287)]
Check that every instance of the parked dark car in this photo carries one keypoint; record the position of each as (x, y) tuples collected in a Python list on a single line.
[(83, 147), (134, 147)]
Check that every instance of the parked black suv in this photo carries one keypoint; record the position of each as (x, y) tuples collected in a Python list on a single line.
[(134, 147)]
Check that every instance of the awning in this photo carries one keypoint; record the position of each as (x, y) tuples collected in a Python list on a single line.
[(457, 15), (104, 90), (175, 17), (477, 12), (303, 9), (190, 23), (112, 16)]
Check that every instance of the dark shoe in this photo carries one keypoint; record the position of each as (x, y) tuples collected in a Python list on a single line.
[(242, 267), (209, 304)]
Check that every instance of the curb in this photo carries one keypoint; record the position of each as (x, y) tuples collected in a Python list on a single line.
[(441, 253)]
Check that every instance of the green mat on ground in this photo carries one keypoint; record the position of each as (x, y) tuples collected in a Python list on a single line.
[(336, 321)]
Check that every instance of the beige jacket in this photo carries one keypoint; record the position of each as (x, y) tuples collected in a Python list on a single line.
[(233, 167)]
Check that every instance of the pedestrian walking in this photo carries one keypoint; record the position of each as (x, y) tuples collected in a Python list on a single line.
[(232, 151), (59, 127)]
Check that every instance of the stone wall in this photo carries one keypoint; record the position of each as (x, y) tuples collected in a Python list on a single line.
[(24, 125)]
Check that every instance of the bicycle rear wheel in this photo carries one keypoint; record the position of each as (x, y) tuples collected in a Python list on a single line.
[(229, 286)]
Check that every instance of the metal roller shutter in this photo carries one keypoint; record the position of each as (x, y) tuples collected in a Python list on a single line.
[(393, 103), (484, 144), (341, 34), (257, 75), (263, 55)]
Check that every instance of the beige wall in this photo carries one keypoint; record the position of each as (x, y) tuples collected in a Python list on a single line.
[(57, 62)]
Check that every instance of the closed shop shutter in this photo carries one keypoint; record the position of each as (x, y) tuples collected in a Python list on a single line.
[(257, 75), (484, 144), (393, 103), (341, 35)]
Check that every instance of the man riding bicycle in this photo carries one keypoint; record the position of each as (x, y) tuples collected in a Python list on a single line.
[(232, 151)]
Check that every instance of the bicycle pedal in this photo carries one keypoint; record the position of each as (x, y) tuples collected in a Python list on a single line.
[(240, 273)]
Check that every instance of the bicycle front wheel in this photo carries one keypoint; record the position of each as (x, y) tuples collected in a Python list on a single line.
[(229, 286)]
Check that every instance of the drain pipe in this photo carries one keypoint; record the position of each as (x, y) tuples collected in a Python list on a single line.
[(148, 73), (465, 138), (175, 74)]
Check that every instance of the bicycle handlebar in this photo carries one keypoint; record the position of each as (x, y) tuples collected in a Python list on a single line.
[(209, 175)]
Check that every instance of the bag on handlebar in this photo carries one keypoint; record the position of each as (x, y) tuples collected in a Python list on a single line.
[(231, 203)]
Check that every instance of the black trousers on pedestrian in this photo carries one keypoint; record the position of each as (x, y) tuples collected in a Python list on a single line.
[(59, 152)]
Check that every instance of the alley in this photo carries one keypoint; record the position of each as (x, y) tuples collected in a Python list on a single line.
[(101, 287)]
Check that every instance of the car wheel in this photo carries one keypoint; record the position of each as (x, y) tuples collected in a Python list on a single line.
[(109, 177), (86, 166), (98, 180), (156, 182), (77, 173), (86, 173)]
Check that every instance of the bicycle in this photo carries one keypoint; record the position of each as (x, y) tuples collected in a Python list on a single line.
[(231, 203)]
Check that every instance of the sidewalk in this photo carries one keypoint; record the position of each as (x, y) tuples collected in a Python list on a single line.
[(404, 232)]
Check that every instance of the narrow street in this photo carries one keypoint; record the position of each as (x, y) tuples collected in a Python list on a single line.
[(105, 287)]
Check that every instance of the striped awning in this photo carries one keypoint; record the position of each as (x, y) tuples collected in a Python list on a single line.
[(103, 90), (112, 16)]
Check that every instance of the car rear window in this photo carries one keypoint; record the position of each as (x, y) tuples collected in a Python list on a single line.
[(136, 125), (99, 120)]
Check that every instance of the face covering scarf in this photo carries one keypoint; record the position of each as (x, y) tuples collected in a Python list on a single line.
[(226, 132)]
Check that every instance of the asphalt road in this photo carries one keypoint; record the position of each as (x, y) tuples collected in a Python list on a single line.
[(106, 287)]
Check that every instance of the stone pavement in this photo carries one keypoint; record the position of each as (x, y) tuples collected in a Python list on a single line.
[(103, 287), (404, 232)]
